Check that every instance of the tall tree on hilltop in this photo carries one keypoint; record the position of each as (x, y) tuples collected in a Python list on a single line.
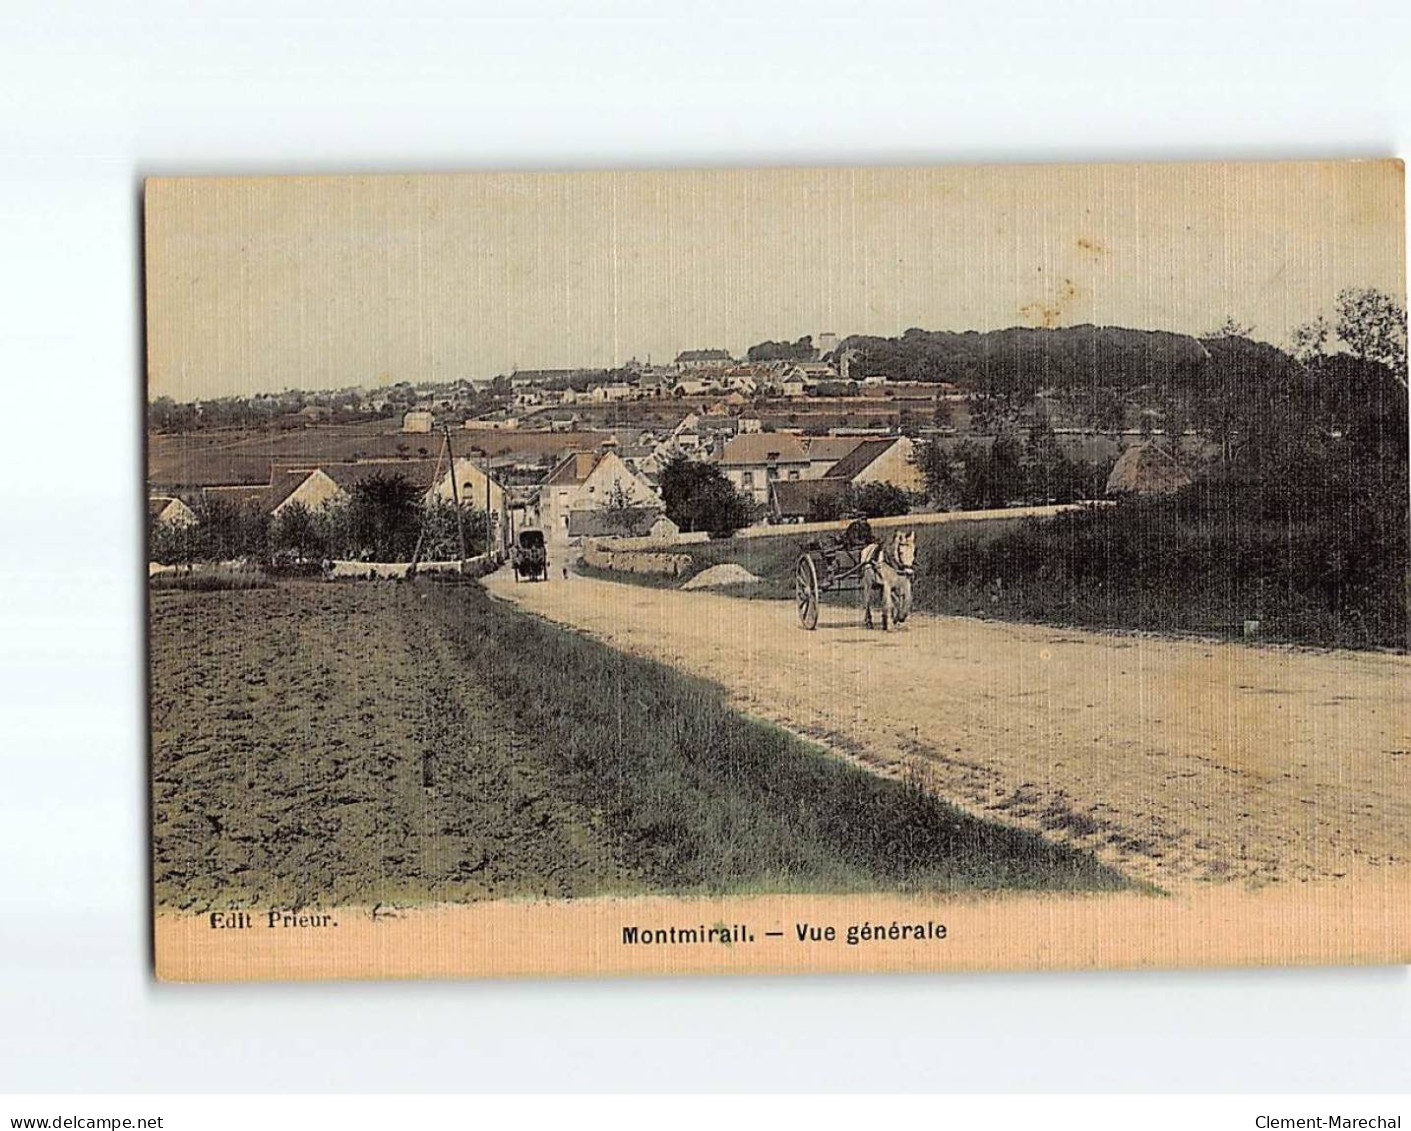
[(1373, 327)]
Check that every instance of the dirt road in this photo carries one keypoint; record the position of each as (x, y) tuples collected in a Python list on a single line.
[(1180, 762)]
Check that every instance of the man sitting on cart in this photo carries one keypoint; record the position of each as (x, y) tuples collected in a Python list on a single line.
[(858, 535)]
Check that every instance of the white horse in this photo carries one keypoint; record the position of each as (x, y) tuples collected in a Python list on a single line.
[(886, 577)]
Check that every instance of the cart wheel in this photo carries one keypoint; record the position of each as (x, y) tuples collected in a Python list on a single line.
[(901, 600), (806, 592)]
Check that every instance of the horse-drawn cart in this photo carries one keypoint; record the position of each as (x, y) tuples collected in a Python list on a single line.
[(530, 557), (854, 562)]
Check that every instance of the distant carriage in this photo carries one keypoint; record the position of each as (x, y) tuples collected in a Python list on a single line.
[(855, 562), (530, 557)]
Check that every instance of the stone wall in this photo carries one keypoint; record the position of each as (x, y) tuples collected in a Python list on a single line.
[(599, 556)]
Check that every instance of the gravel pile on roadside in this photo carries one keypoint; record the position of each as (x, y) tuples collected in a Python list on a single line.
[(727, 574)]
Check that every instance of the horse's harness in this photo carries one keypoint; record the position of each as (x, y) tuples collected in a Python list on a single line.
[(889, 556), (887, 553)]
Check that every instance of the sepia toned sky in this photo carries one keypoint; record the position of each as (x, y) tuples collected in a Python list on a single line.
[(262, 284)]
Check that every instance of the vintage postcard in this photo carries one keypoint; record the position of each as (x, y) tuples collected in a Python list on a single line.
[(789, 570)]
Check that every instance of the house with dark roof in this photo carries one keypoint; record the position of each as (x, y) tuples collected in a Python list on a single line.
[(825, 451), (753, 460), (888, 459)]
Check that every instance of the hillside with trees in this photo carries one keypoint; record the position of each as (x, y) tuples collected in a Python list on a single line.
[(1297, 522), (801, 350), (1019, 361)]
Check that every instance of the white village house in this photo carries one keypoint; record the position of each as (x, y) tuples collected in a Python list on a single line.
[(475, 486), (883, 460), (586, 481)]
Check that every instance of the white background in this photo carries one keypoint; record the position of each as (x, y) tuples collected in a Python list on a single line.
[(92, 97)]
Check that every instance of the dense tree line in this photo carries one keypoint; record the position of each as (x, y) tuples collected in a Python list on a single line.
[(1016, 363)]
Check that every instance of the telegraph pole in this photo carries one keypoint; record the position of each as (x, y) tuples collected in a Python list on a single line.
[(455, 493)]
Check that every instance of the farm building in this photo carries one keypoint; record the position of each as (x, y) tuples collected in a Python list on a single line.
[(261, 495), (1146, 469), (811, 372), (170, 510), (418, 421), (887, 460), (754, 460)]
